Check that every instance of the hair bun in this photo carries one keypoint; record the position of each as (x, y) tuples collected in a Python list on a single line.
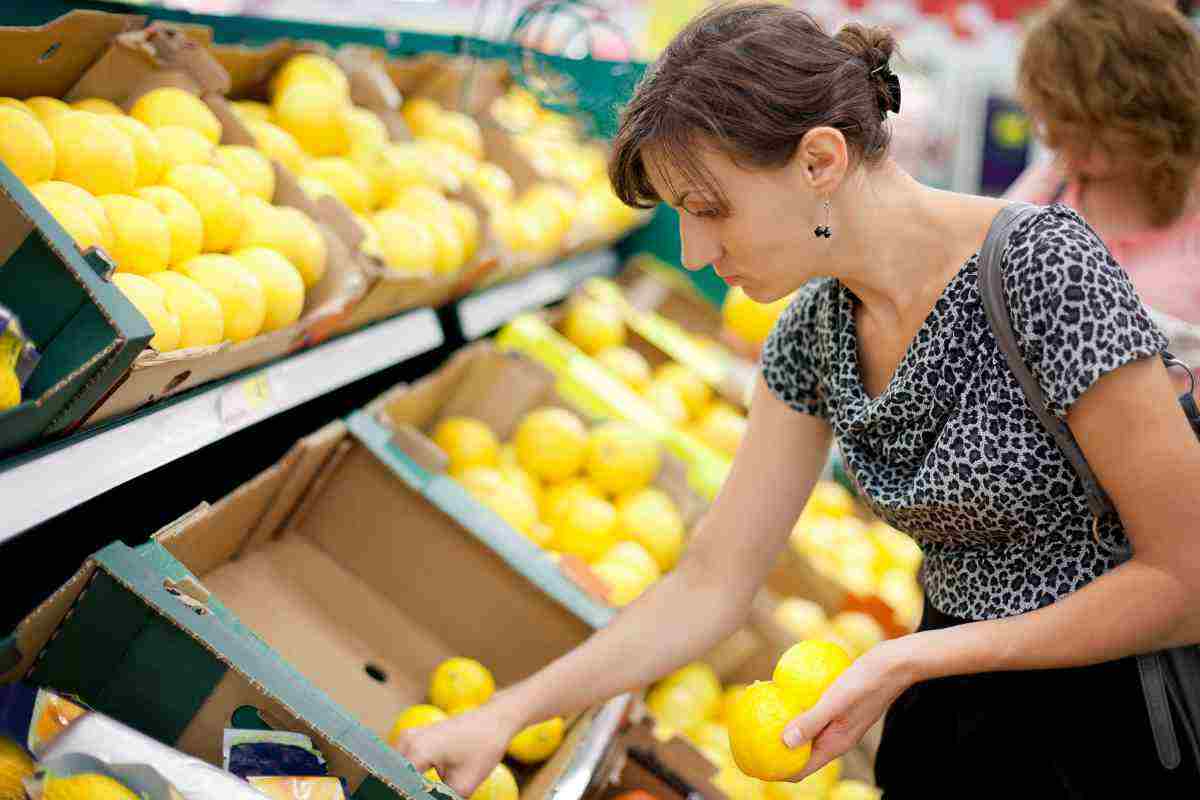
[(874, 46)]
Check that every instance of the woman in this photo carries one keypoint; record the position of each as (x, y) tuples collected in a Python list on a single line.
[(769, 137), (1112, 86)]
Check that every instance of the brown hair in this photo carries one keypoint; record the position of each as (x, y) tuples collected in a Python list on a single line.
[(1125, 75), (751, 79)]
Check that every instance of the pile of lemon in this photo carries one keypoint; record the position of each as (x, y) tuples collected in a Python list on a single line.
[(553, 143), (738, 727), (198, 246), (571, 490), (679, 394), (459, 685), (868, 558), (397, 190)]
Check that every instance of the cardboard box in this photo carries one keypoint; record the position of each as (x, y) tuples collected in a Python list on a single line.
[(322, 593)]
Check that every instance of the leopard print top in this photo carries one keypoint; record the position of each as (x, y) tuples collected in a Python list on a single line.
[(950, 452)]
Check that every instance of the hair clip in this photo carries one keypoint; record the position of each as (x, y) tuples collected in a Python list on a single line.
[(893, 84)]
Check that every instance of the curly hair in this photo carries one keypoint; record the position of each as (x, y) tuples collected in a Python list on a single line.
[(1124, 75)]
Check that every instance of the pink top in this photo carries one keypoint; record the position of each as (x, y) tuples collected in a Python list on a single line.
[(1163, 263)]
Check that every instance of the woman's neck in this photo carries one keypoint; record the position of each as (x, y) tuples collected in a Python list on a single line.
[(1113, 206)]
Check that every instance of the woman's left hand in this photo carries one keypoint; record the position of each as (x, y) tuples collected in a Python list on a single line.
[(854, 702)]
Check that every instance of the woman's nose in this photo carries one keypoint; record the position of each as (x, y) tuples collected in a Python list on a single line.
[(699, 247)]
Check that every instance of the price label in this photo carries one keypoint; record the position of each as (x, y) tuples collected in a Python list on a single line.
[(247, 400)]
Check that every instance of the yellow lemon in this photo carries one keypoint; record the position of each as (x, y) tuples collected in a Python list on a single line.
[(344, 178), (713, 740), (624, 583), (494, 185), (216, 198), (281, 283), (201, 321), (693, 391), (422, 202), (408, 244), (722, 428), (150, 299), (315, 187), (25, 146), (10, 396), (627, 364), (594, 327), (637, 558), (46, 107), (521, 478), (420, 114), (622, 457), (649, 516), (249, 170), (451, 166), (243, 302), (508, 500), (728, 697), (738, 786), (749, 320), (802, 618), (499, 785), (855, 790), (168, 105), (371, 243), (180, 145), (667, 402), (249, 110), (450, 252), (85, 786), (151, 163), (458, 130), (537, 742), (77, 218), (183, 221), (98, 105), (365, 130), (552, 443), (466, 222), (417, 716), (468, 442), (815, 787), (756, 724), (12, 102), (141, 238), (831, 500), (15, 765), (676, 707), (899, 549), (588, 529), (860, 630), (92, 153), (460, 684), (289, 231), (395, 167), (314, 114), (557, 497), (807, 669), (311, 68), (704, 684), (278, 145)]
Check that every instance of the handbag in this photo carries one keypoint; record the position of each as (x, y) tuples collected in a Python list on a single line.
[(1170, 678)]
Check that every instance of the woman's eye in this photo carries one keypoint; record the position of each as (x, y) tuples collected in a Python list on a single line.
[(706, 213)]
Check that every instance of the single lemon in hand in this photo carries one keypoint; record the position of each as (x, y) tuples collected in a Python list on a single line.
[(25, 146), (201, 321), (756, 724), (807, 669), (728, 697), (552, 443), (243, 302), (183, 221), (537, 742), (281, 283), (141, 238), (416, 716), (150, 299), (499, 785), (460, 684), (168, 105)]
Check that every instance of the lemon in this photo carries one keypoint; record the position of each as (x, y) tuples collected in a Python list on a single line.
[(756, 724), (552, 443), (15, 765), (77, 218), (627, 364), (452, 166), (713, 740), (458, 130), (553, 201), (667, 402), (249, 170), (25, 146), (702, 680), (184, 223), (522, 231), (728, 697), (468, 442), (408, 244), (201, 321), (637, 558), (855, 790), (46, 107), (10, 396), (449, 249), (460, 684), (587, 529), (831, 500), (815, 787), (141, 238), (416, 716), (722, 428), (649, 516), (621, 457), (217, 200), (676, 707), (466, 222), (86, 786), (594, 327), (800, 617), (738, 786), (311, 68), (92, 153), (693, 391), (313, 113), (365, 130), (624, 582), (420, 114), (168, 105), (393, 168), (508, 500), (522, 478), (494, 185), (749, 320), (344, 178), (151, 301), (147, 151), (860, 630), (278, 145), (12, 102), (537, 742), (289, 231), (499, 785), (281, 283), (371, 244), (807, 669), (421, 201), (98, 105), (315, 187), (180, 145), (899, 550), (249, 110), (243, 302), (557, 497)]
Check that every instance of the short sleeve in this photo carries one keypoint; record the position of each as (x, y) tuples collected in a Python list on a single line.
[(789, 361), (1075, 312)]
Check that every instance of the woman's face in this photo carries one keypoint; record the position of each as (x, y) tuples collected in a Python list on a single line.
[(761, 238)]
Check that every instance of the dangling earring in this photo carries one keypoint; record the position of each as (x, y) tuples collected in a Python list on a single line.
[(823, 231)]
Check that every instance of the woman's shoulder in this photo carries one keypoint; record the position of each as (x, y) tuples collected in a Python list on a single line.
[(1056, 246)]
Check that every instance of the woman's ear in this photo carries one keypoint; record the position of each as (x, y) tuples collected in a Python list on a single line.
[(822, 159)]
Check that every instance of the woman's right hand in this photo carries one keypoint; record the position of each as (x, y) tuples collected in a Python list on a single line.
[(464, 749)]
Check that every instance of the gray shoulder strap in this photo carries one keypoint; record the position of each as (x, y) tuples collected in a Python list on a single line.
[(995, 305)]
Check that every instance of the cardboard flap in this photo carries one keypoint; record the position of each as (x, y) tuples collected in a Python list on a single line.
[(407, 74), (466, 84), (48, 59), (420, 449), (499, 391), (371, 88), (250, 68), (37, 629)]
